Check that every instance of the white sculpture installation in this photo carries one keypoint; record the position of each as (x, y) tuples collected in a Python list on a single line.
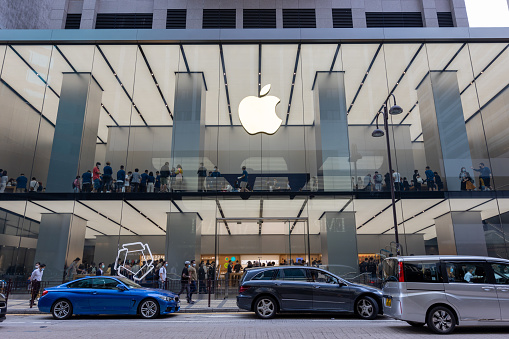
[(130, 248)]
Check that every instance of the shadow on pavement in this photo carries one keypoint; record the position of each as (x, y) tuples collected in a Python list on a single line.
[(460, 330)]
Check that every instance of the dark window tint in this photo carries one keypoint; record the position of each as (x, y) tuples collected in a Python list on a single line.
[(176, 18), (259, 18), (322, 277), (445, 19), (390, 270), (425, 272), (265, 275), (466, 272), (84, 283), (219, 18), (124, 21), (295, 274), (104, 283), (342, 18), (73, 21), (299, 18), (501, 272), (393, 19)]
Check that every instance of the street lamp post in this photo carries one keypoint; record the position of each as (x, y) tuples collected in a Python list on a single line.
[(394, 110)]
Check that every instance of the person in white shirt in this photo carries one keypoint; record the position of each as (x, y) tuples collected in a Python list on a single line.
[(162, 274), (3, 181), (469, 275), (34, 185), (397, 180), (36, 278)]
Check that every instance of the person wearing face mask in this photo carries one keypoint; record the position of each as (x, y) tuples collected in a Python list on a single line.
[(184, 281), (465, 178), (36, 278), (192, 280), (100, 269), (162, 274)]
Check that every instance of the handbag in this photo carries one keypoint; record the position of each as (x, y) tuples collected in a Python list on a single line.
[(469, 185)]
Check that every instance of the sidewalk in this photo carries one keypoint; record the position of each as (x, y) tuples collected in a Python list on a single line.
[(19, 304)]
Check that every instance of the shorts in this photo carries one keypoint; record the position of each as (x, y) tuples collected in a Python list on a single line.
[(164, 180), (97, 184), (243, 184)]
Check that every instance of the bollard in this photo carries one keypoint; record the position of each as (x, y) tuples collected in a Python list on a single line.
[(209, 289)]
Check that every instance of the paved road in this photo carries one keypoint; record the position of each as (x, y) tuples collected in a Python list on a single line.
[(224, 325)]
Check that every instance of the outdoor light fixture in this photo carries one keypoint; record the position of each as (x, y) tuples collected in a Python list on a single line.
[(394, 110)]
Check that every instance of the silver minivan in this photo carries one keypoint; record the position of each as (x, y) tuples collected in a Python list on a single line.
[(445, 291)]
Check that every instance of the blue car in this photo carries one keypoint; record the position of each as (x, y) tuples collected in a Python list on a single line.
[(106, 295)]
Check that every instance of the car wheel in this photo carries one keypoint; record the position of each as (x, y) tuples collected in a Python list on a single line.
[(62, 309), (366, 308), (149, 309), (265, 307), (441, 320), (415, 324)]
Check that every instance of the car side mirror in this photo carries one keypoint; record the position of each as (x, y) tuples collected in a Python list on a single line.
[(121, 287)]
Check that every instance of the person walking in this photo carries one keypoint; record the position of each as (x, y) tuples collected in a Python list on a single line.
[(21, 183), (36, 278), (162, 275), (485, 175), (193, 277), (243, 180), (430, 179), (184, 281)]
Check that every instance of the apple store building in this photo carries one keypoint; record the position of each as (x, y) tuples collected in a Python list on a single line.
[(320, 147)]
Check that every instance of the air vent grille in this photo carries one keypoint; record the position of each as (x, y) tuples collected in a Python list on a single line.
[(73, 21), (124, 21), (219, 18), (445, 19), (393, 19), (342, 18), (259, 18), (299, 18), (176, 18)]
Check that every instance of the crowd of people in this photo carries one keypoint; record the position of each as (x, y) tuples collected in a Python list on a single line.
[(20, 184), (431, 181)]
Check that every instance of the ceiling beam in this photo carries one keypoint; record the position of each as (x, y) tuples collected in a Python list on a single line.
[(106, 217), (376, 215), (293, 83), (155, 81), (183, 53), (121, 84), (143, 215), (335, 57), (225, 79), (299, 214), (222, 216)]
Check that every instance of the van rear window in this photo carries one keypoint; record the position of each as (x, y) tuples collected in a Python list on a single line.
[(390, 270), (422, 272)]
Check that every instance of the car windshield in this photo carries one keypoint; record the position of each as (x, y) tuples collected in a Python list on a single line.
[(129, 283)]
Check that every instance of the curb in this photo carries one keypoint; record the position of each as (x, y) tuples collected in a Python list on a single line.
[(200, 310)]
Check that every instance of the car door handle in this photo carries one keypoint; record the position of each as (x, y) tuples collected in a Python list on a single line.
[(488, 288), (94, 293), (316, 286), (503, 289), (277, 284)]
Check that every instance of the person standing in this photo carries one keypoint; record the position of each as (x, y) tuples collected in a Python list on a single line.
[(120, 179), (367, 182), (202, 174), (34, 185), (21, 183), (36, 278), (151, 182), (485, 175), (417, 180), (179, 178), (215, 173), (100, 269), (378, 181), (396, 177), (372, 267), (157, 185), (243, 179), (165, 174), (86, 181), (464, 179), (162, 275), (201, 278), (211, 275), (144, 181), (438, 182), (387, 180), (107, 177), (135, 180), (76, 184), (96, 177), (430, 179), (184, 281), (3, 181), (192, 280), (73, 269), (363, 267)]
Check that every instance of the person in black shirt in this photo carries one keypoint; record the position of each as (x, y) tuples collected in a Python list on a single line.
[(237, 267), (184, 282), (202, 174), (201, 278)]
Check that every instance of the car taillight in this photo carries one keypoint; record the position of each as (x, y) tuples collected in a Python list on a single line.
[(401, 274), (243, 289), (44, 292)]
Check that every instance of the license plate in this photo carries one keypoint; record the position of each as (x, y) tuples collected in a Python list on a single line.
[(388, 302)]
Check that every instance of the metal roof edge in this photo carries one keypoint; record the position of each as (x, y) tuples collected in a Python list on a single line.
[(315, 35)]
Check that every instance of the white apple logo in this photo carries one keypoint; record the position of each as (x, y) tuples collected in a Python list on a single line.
[(258, 115)]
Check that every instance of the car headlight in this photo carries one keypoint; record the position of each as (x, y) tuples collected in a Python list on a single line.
[(165, 298)]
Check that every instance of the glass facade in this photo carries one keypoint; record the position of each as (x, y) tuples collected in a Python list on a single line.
[(185, 147)]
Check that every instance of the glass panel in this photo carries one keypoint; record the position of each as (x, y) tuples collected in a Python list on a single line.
[(466, 272)]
